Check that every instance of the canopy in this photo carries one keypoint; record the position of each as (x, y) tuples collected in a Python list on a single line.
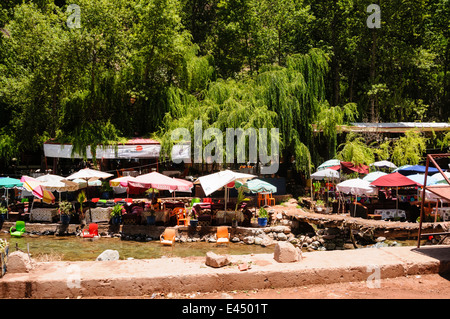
[(158, 181), (373, 176), (325, 173), (394, 180), (89, 174), (256, 186), (356, 186), (416, 169), (213, 182), (57, 183), (384, 164), (349, 167), (442, 191), (8, 182), (420, 178), (329, 163), (34, 186)]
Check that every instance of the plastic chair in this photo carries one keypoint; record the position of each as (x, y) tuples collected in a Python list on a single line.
[(168, 237), (181, 215), (95, 200), (261, 199), (19, 229), (223, 237), (207, 200), (117, 200), (270, 199), (92, 232)]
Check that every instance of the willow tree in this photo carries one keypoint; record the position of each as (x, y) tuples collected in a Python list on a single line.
[(288, 98), (409, 149), (356, 150)]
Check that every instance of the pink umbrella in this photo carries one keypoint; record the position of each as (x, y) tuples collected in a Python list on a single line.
[(34, 186), (159, 181)]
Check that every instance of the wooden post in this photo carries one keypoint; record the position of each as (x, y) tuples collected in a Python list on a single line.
[(423, 201)]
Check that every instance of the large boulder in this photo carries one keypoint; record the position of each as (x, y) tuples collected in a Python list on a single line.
[(217, 261), (19, 262), (285, 252), (108, 255)]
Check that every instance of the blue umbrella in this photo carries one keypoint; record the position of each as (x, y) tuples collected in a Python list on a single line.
[(8, 182), (417, 169)]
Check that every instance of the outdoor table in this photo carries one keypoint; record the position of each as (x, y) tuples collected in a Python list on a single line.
[(390, 213), (444, 212), (98, 214), (162, 215), (223, 217), (43, 214)]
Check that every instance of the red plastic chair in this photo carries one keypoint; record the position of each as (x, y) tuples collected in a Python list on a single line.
[(207, 200), (92, 232), (129, 200), (95, 200), (117, 200)]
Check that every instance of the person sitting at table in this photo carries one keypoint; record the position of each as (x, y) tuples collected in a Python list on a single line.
[(156, 205)]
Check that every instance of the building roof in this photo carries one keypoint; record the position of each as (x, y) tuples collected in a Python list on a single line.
[(397, 127)]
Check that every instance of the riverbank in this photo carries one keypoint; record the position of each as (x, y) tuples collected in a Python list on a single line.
[(144, 278)]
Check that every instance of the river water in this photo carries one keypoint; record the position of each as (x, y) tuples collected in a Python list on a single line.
[(72, 248)]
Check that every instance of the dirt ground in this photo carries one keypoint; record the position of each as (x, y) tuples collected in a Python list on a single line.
[(413, 287), (432, 286)]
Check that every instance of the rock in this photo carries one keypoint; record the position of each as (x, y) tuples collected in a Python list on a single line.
[(249, 240), (19, 262), (217, 261), (108, 255), (380, 239), (258, 240), (235, 239), (285, 252), (282, 236), (266, 241)]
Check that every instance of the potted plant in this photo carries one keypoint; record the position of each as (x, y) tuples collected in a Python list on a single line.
[(116, 214), (3, 211), (81, 198), (319, 205), (193, 218), (262, 217), (151, 220), (65, 210), (240, 198), (106, 190)]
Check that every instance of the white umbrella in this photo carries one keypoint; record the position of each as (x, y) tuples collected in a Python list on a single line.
[(384, 164), (356, 186), (57, 183), (89, 175), (439, 178), (325, 174), (213, 182), (329, 163), (373, 176)]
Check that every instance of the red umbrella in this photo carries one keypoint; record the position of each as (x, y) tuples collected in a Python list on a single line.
[(394, 180)]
